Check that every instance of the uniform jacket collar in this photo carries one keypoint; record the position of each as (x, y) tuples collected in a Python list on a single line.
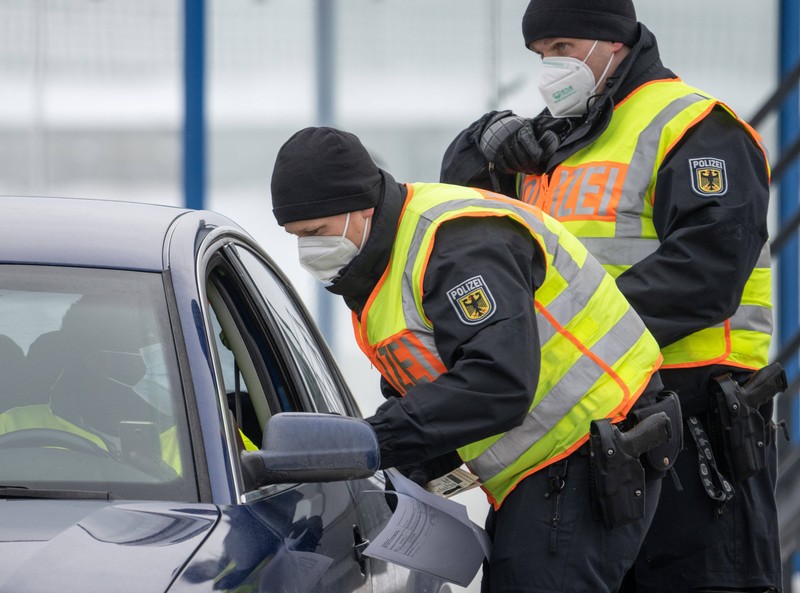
[(358, 279)]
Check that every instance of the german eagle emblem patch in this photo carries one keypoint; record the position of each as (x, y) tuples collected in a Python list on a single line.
[(472, 300), (709, 177)]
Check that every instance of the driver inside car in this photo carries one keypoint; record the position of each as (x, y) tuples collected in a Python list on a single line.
[(107, 381)]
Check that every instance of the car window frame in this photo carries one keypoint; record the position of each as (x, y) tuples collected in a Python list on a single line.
[(197, 453), (222, 242), (343, 391), (243, 347), (240, 491)]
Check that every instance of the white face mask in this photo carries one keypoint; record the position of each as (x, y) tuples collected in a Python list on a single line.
[(567, 84), (323, 257), (154, 386)]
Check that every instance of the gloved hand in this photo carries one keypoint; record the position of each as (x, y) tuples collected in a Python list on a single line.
[(560, 126), (417, 473), (509, 141), (423, 472)]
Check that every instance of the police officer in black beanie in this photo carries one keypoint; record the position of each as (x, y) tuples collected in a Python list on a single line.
[(451, 291), (306, 187), (656, 178)]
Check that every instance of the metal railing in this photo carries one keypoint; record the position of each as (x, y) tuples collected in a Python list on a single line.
[(788, 489)]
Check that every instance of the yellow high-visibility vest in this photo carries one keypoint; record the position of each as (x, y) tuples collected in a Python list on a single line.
[(603, 194), (596, 354)]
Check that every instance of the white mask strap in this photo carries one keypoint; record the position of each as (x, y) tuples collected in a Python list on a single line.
[(346, 224), (603, 75), (590, 51), (364, 234)]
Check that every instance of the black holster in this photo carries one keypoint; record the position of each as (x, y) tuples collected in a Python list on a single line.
[(745, 432), (662, 457), (617, 477), (617, 472)]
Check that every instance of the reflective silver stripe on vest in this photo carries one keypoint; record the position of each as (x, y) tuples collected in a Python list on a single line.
[(565, 306), (619, 251), (558, 402), (420, 359), (753, 318), (642, 165), (765, 257)]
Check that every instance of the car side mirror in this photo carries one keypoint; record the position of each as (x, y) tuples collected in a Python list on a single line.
[(311, 447)]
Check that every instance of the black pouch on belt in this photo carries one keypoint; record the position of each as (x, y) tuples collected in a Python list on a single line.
[(744, 431), (618, 474), (662, 457)]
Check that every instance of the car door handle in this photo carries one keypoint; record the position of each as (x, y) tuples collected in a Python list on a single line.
[(358, 550)]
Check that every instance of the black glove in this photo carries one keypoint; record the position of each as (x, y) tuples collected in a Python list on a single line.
[(509, 141), (423, 472), (560, 126), (417, 473)]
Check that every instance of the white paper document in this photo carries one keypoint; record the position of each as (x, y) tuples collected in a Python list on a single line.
[(430, 534)]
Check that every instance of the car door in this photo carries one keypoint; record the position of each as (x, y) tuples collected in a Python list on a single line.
[(326, 391), (270, 359)]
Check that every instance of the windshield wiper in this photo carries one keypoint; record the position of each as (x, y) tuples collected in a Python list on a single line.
[(25, 492)]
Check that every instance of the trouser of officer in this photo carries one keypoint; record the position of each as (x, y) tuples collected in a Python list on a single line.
[(697, 544), (547, 538)]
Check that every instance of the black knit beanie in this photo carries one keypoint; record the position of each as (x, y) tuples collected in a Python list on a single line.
[(606, 20), (321, 172)]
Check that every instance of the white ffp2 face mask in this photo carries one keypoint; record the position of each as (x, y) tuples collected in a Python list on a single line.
[(566, 84), (323, 257)]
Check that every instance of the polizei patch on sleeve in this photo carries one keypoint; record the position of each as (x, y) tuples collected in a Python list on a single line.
[(472, 300), (708, 176)]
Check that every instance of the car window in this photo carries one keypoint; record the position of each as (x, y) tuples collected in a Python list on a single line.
[(246, 397), (90, 396), (256, 380), (268, 358), (318, 377)]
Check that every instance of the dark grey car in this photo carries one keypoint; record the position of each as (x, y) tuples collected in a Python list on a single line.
[(145, 352)]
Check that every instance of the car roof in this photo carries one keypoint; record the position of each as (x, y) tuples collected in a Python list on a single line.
[(85, 232)]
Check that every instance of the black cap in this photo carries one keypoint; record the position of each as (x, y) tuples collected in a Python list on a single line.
[(606, 20), (322, 172)]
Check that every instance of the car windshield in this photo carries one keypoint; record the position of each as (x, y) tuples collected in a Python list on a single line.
[(90, 396)]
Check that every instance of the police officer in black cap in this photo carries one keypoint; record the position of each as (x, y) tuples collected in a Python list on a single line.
[(669, 189)]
